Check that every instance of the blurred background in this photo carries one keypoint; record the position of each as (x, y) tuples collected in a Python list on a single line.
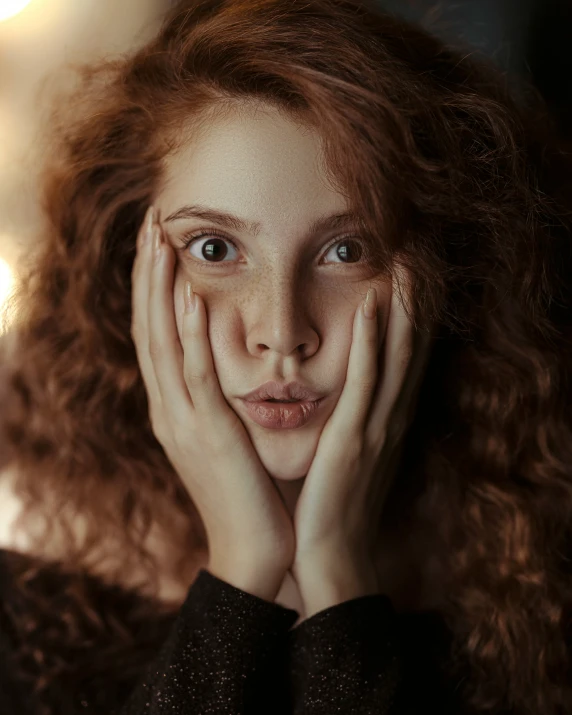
[(39, 38)]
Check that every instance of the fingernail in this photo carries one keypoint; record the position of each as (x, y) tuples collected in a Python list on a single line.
[(148, 232), (190, 300), (370, 304)]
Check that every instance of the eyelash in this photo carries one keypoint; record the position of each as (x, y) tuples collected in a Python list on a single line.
[(189, 238)]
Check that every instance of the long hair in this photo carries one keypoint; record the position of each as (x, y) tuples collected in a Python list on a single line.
[(451, 178)]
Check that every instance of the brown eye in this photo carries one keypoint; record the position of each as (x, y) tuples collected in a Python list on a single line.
[(213, 250), (347, 251)]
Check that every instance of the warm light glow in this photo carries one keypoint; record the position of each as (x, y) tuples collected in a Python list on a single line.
[(9, 8)]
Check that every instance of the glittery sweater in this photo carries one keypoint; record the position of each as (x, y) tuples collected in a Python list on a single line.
[(228, 652)]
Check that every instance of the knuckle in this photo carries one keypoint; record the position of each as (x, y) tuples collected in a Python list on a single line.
[(155, 348), (371, 341), (196, 376), (191, 331)]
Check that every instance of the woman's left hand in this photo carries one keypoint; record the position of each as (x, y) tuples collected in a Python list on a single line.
[(337, 513)]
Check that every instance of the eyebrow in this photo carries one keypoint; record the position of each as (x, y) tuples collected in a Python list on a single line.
[(322, 223)]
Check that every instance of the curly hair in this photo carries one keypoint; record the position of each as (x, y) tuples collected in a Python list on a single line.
[(452, 177)]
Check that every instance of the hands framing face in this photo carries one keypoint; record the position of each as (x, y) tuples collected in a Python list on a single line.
[(344, 490)]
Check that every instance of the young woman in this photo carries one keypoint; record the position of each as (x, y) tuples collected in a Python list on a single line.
[(315, 204)]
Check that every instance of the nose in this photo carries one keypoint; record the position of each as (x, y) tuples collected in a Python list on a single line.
[(283, 326)]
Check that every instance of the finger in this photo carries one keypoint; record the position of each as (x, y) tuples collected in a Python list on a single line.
[(352, 408), (139, 311), (198, 369), (164, 345), (396, 360)]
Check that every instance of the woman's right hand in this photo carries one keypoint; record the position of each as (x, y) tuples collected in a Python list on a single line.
[(250, 534)]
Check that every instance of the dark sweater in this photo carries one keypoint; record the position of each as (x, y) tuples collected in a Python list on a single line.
[(227, 652)]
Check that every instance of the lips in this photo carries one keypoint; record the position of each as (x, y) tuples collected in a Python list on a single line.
[(280, 415)]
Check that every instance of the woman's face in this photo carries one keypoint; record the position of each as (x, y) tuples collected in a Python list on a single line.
[(281, 300)]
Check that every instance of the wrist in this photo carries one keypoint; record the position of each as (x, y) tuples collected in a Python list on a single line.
[(323, 583), (257, 579)]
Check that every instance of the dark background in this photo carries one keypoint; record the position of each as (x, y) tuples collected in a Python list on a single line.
[(530, 39)]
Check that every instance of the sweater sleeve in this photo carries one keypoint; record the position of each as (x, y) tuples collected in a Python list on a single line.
[(363, 658), (225, 655), (347, 659)]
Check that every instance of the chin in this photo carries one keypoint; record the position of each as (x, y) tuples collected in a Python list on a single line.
[(286, 455), (282, 476)]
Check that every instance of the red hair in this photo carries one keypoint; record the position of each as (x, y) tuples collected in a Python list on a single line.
[(452, 179)]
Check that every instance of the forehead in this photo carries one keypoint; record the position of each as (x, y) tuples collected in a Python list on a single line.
[(257, 162)]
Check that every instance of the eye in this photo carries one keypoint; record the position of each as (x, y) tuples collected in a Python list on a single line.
[(213, 251), (348, 250)]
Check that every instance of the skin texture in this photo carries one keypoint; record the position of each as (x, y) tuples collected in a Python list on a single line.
[(281, 305)]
